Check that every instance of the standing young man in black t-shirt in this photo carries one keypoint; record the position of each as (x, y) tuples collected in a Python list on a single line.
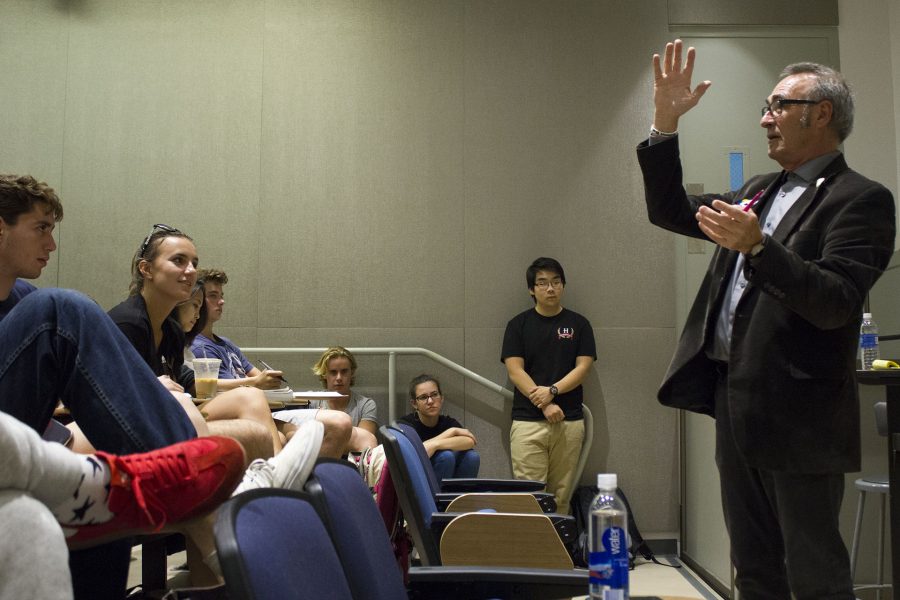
[(548, 352)]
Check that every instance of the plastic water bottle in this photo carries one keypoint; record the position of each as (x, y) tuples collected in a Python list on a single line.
[(608, 539), (868, 342)]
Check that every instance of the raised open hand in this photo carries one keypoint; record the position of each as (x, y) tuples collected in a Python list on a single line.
[(672, 93)]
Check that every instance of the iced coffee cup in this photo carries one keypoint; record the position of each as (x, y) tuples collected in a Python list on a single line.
[(206, 375)]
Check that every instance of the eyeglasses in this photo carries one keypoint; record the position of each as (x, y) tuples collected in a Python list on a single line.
[(434, 396), (156, 228), (777, 106), (544, 284)]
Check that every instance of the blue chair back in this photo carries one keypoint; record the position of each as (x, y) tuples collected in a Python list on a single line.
[(273, 545), (357, 530), (416, 500), (413, 436), (418, 478)]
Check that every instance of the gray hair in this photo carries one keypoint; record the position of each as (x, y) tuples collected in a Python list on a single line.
[(830, 85)]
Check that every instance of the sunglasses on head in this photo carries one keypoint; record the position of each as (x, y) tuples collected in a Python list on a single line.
[(159, 227)]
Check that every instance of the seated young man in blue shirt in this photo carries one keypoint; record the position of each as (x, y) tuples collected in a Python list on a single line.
[(235, 370)]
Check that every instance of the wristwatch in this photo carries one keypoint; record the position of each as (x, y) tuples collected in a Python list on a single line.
[(757, 249), (554, 391)]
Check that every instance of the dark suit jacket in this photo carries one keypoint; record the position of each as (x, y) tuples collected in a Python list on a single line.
[(792, 395)]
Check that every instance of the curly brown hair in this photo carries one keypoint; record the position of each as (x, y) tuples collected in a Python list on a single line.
[(212, 276), (19, 194)]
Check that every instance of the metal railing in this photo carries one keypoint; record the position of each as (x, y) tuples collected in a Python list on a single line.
[(393, 353)]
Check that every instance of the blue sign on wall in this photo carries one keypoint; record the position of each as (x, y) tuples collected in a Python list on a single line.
[(736, 169)]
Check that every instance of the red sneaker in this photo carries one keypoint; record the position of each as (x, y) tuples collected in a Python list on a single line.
[(165, 486)]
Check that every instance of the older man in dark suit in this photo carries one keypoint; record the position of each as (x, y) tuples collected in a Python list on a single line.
[(769, 346)]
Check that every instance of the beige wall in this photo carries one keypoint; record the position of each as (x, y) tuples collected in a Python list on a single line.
[(870, 41), (370, 174)]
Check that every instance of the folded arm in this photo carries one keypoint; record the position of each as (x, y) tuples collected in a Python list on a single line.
[(455, 438), (515, 367)]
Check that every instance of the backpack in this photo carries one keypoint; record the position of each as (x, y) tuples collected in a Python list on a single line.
[(581, 510)]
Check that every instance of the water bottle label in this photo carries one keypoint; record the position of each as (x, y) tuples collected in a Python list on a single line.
[(868, 340), (609, 565)]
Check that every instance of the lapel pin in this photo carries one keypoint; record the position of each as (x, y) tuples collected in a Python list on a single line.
[(819, 181)]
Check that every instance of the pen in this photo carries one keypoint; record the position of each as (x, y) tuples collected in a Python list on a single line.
[(269, 368), (754, 200)]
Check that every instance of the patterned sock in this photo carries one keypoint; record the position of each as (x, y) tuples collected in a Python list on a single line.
[(87, 504)]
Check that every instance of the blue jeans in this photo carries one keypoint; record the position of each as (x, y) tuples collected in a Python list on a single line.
[(60, 345), (450, 464)]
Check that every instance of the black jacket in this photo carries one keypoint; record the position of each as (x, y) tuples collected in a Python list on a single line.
[(792, 395), (132, 318)]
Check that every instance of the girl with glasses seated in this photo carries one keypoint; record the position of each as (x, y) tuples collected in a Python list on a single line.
[(448, 444)]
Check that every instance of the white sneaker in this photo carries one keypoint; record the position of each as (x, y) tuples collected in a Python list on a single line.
[(260, 474), (291, 467), (296, 460)]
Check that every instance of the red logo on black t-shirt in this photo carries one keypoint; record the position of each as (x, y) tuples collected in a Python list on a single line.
[(565, 333)]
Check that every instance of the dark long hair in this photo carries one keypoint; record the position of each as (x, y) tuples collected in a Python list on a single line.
[(204, 314)]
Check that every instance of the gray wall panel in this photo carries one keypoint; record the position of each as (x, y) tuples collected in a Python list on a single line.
[(490, 411), (33, 44), (162, 113), (634, 435), (758, 12), (363, 112)]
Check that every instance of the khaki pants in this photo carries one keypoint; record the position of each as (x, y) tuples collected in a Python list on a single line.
[(547, 452)]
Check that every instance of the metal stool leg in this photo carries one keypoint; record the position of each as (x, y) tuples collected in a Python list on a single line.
[(854, 548), (880, 579), (864, 486)]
